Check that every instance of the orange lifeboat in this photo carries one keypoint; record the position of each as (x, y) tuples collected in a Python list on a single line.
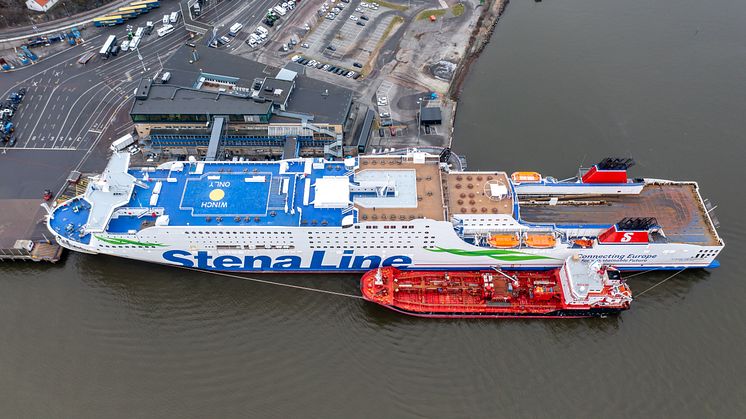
[(526, 177), (584, 243), (540, 241), (504, 241)]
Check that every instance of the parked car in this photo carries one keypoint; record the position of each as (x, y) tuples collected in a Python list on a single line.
[(363, 17), (358, 65), (331, 48), (360, 24)]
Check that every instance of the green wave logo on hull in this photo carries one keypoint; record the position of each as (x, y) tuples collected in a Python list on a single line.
[(121, 242), (497, 254)]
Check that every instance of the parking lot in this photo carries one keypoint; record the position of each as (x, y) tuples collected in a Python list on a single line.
[(348, 38)]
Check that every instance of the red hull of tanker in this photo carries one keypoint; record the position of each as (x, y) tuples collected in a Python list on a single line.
[(479, 294)]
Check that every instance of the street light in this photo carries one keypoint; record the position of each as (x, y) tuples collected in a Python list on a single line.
[(139, 56)]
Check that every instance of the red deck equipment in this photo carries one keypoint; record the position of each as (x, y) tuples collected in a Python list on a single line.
[(577, 289)]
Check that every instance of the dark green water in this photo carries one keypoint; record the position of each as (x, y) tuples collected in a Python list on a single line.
[(563, 82)]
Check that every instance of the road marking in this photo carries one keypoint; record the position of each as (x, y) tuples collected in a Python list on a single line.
[(47, 148), (97, 131)]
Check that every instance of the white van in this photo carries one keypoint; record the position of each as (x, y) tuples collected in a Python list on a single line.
[(235, 29), (280, 10), (166, 19), (165, 30), (174, 17), (166, 77), (262, 30), (134, 43)]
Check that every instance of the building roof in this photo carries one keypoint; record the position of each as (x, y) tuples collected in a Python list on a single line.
[(285, 74), (430, 114), (276, 89), (166, 99), (299, 69), (328, 103)]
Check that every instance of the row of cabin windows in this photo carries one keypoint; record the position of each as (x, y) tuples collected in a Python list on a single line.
[(372, 247), (374, 227)]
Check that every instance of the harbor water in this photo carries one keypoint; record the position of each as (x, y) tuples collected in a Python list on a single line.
[(562, 83)]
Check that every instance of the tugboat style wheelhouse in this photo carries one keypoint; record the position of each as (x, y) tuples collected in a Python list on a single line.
[(409, 211)]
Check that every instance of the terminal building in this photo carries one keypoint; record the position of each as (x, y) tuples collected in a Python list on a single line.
[(215, 105)]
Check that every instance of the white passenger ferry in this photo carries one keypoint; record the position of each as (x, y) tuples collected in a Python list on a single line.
[(409, 211)]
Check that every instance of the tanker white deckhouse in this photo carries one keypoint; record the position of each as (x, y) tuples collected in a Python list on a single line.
[(409, 211)]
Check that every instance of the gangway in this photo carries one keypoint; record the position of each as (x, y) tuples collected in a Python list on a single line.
[(217, 132), (290, 149)]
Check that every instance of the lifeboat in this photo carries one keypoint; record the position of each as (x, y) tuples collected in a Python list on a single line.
[(584, 243), (578, 289), (504, 241), (526, 177), (540, 241)]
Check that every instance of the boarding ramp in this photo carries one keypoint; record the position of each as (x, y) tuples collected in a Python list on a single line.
[(215, 136)]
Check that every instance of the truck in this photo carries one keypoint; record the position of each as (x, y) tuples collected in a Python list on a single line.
[(280, 10), (5, 65), (6, 129), (29, 54), (122, 143), (174, 17), (235, 29), (134, 43), (74, 36)]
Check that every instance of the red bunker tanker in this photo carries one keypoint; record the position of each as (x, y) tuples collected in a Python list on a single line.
[(577, 289)]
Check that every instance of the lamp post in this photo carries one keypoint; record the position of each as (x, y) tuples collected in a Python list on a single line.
[(139, 56)]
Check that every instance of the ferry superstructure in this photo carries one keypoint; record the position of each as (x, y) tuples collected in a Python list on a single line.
[(408, 211)]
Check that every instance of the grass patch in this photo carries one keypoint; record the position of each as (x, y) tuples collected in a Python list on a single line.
[(392, 5), (425, 14), (458, 9)]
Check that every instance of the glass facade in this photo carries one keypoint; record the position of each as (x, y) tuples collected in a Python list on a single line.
[(196, 118)]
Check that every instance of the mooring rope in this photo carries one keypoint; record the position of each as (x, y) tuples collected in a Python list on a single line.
[(342, 294), (264, 281), (640, 294), (626, 277)]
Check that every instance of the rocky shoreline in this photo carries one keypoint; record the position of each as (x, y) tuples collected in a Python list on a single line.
[(479, 39)]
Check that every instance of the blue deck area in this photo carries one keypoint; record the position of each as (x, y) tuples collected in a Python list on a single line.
[(69, 219), (227, 194), (232, 193)]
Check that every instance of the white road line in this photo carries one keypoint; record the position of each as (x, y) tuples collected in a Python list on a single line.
[(44, 148)]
